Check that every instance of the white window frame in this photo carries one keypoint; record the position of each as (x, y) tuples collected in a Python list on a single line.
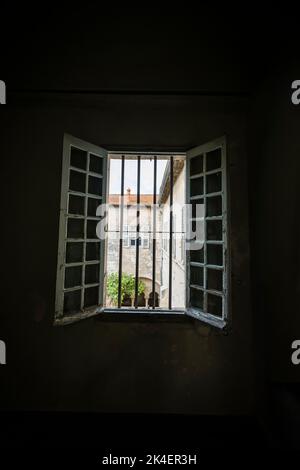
[(68, 143), (60, 318), (218, 321)]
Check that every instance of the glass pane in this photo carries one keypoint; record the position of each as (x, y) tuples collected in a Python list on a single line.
[(196, 298), (196, 165), (73, 276), (196, 276), (196, 186), (214, 279), (214, 304), (76, 205), (92, 206), (214, 206), (92, 251), (213, 159), (92, 273), (74, 252), (72, 301), (96, 164), (197, 256), (215, 254), (78, 158), (197, 208), (214, 182), (91, 228), (75, 228), (91, 296), (95, 185), (77, 181), (214, 230)]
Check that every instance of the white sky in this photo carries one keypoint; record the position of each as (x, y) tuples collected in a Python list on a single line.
[(130, 175)]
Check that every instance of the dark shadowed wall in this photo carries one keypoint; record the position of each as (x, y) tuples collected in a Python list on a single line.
[(111, 366), (206, 77)]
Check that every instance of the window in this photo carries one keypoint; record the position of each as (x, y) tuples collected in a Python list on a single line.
[(200, 249), (207, 286), (129, 240), (80, 252)]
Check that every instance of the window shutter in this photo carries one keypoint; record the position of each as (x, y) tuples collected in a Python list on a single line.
[(79, 286), (207, 264)]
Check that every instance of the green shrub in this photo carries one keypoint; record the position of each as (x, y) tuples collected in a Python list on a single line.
[(127, 286)]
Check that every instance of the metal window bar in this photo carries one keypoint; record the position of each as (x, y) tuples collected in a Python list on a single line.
[(136, 293), (171, 231), (154, 233), (121, 233)]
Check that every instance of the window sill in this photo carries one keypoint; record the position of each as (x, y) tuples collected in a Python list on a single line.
[(142, 315)]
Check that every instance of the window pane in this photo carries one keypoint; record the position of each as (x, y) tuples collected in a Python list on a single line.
[(91, 273), (78, 158), (215, 254), (214, 230), (214, 279), (197, 227), (196, 298), (197, 208), (77, 181), (91, 228), (95, 185), (75, 228), (214, 206), (92, 206), (214, 182), (196, 186), (196, 165), (196, 276), (73, 276), (72, 301), (76, 205), (92, 251), (213, 159), (214, 304), (197, 256), (91, 296), (74, 252), (96, 164)]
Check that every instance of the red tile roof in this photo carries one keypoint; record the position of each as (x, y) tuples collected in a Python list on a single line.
[(130, 199)]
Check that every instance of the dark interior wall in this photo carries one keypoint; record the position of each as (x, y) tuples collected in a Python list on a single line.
[(216, 60), (274, 167), (110, 366)]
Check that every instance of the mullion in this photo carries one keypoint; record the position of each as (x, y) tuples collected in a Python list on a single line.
[(79, 193), (137, 233), (81, 288), (154, 234), (121, 233), (84, 231), (205, 245), (81, 263), (171, 233)]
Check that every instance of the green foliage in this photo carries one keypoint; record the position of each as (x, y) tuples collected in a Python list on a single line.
[(127, 286)]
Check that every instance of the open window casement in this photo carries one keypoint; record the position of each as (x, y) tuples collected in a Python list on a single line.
[(207, 265), (80, 267)]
